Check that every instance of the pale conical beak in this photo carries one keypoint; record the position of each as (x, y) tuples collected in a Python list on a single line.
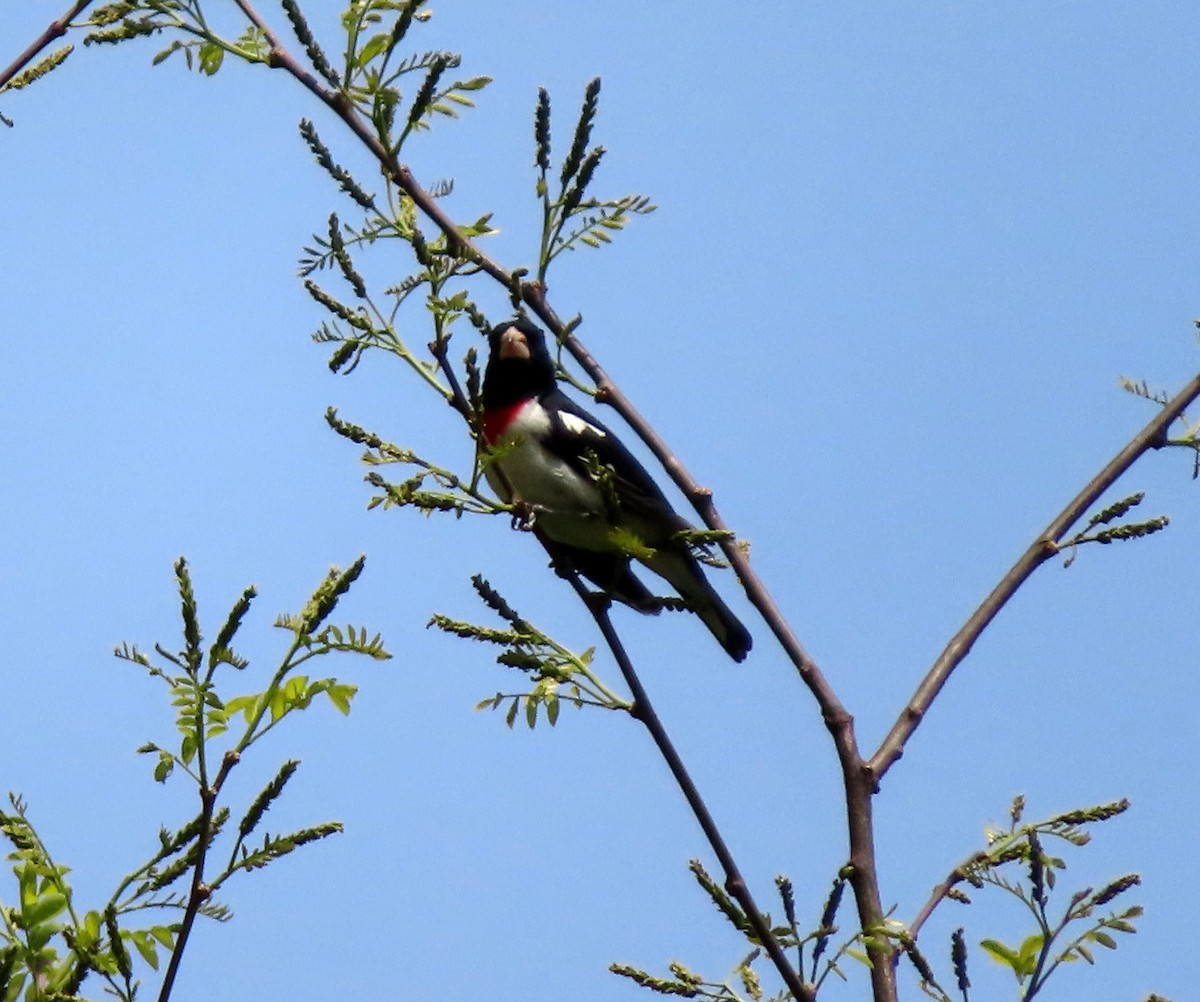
[(514, 344)]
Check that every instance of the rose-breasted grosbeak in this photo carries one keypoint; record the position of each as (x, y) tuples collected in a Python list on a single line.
[(593, 503)]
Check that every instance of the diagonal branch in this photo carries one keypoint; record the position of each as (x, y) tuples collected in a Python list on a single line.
[(54, 30), (836, 717), (643, 710), (1040, 550), (941, 892)]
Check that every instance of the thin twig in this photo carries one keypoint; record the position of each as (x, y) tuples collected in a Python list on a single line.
[(54, 30), (200, 891), (643, 710), (941, 892), (1042, 549)]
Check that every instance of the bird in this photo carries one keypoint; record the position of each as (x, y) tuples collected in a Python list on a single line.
[(594, 506)]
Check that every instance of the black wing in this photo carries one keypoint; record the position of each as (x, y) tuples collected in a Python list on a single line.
[(574, 432)]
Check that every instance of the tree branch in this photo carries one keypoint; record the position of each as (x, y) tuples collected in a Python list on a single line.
[(54, 30), (200, 891), (941, 892), (643, 710), (1152, 436)]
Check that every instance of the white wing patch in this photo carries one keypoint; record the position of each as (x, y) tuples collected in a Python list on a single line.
[(580, 426)]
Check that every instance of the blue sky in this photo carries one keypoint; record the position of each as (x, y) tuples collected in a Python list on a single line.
[(903, 254)]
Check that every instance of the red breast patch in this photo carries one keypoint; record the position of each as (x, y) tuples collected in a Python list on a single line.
[(497, 420)]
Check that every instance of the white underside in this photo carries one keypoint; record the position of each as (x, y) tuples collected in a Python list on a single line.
[(567, 506)]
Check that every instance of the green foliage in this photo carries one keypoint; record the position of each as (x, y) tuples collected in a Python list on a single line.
[(744, 982), (202, 48), (374, 73), (1014, 861), (47, 64), (1115, 533), (592, 221), (342, 176), (47, 946), (558, 673), (1017, 862), (372, 323), (368, 81), (430, 488)]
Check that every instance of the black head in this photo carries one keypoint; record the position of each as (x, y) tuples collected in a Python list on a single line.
[(519, 364)]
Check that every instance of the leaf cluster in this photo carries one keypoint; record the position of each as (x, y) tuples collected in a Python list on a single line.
[(814, 960), (1100, 527), (557, 673), (1017, 862), (571, 217), (47, 947), (428, 488)]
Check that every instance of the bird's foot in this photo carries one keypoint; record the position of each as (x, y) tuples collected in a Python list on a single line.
[(523, 516)]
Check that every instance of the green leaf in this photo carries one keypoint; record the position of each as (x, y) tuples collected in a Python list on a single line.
[(373, 47), (39, 935), (1031, 945), (164, 767), (1104, 939), (278, 705), (187, 748), (145, 945), (42, 908), (1004, 954), (89, 932), (211, 57), (14, 987), (174, 47), (340, 695), (247, 704)]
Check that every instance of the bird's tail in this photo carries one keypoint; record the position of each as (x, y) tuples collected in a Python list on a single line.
[(685, 573)]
